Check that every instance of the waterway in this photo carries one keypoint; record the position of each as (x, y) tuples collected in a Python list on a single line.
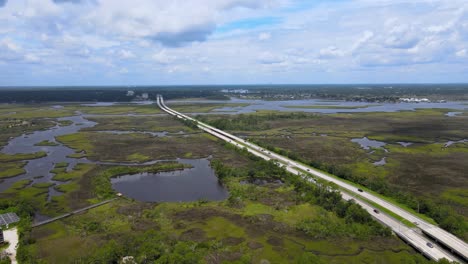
[(197, 183), (323, 106)]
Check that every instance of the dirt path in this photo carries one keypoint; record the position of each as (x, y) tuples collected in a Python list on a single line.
[(12, 237)]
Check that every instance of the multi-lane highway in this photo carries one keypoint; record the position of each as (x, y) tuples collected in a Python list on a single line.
[(349, 191)]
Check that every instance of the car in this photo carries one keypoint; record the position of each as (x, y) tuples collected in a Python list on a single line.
[(308, 169), (360, 190), (429, 244), (416, 223), (376, 211)]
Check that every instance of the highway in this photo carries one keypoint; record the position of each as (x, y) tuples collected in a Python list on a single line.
[(411, 236)]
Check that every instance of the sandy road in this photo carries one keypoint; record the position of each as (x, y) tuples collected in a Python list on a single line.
[(11, 236)]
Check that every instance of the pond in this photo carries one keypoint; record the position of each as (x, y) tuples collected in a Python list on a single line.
[(368, 143), (199, 182)]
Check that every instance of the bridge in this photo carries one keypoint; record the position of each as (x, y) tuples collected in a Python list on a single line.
[(71, 213), (432, 241)]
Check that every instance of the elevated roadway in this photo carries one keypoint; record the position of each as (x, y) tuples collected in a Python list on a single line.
[(410, 235)]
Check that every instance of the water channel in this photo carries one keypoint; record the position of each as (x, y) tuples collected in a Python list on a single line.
[(199, 182)]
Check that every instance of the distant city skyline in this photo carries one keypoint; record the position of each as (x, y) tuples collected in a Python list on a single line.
[(203, 42)]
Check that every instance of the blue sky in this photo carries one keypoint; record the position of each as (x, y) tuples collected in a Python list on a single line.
[(160, 42)]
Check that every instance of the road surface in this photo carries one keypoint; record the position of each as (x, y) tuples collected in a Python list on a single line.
[(11, 236)]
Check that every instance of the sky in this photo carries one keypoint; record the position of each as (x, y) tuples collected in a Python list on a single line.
[(183, 42)]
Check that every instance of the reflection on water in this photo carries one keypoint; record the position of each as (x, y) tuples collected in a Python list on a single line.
[(380, 162), (38, 170), (199, 182), (450, 142), (405, 144), (453, 113), (368, 143)]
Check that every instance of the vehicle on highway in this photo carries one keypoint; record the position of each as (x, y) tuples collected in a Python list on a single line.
[(376, 211), (308, 169), (360, 190), (429, 244)]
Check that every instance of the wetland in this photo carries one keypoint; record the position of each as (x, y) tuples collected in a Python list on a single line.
[(86, 154)]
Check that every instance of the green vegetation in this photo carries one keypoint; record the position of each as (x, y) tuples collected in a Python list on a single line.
[(12, 165), (270, 215), (140, 123), (137, 157), (187, 107), (250, 122), (78, 171), (11, 169), (118, 109), (46, 143), (420, 176), (64, 122), (288, 222), (19, 157)]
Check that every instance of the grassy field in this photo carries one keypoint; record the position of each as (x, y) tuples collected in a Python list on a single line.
[(118, 109), (426, 169), (188, 107), (257, 223), (11, 169), (137, 147), (276, 221)]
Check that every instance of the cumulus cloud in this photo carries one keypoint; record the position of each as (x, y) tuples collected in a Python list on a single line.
[(264, 36), (126, 54), (269, 58), (331, 52), (9, 50), (67, 1), (190, 37), (172, 23), (163, 57), (461, 53)]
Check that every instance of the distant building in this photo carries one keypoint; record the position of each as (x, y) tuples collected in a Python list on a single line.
[(236, 91), (130, 93), (415, 100), (145, 96)]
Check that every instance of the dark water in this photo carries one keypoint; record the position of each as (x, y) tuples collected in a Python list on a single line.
[(55, 154), (199, 182)]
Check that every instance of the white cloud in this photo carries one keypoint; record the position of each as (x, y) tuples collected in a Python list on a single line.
[(31, 58), (461, 53), (269, 58), (331, 52), (231, 37), (163, 57), (264, 36), (126, 54)]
